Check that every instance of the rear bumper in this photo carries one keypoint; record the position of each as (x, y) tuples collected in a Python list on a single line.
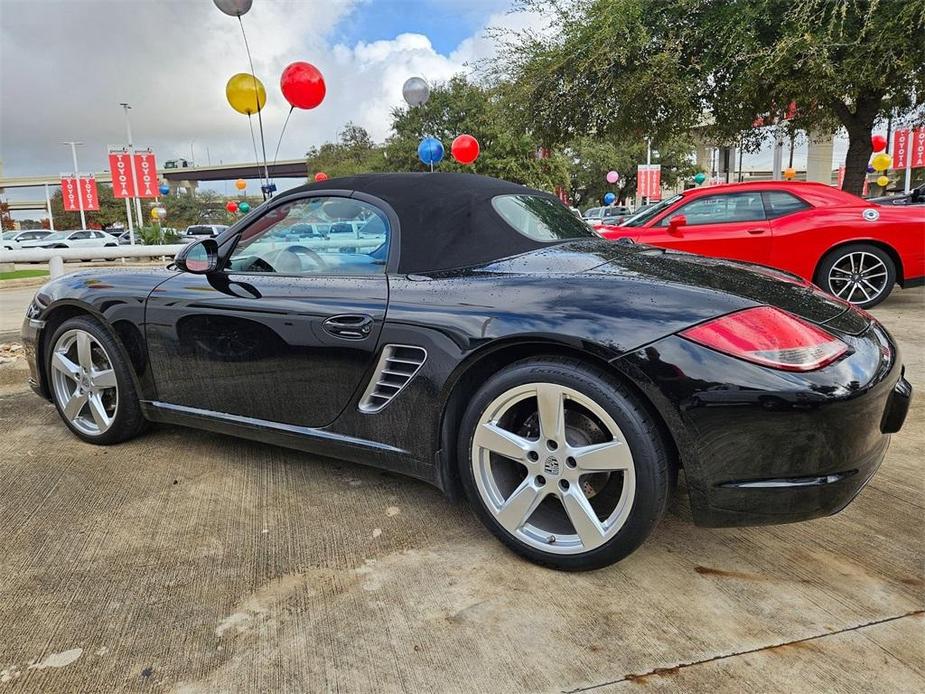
[(761, 446)]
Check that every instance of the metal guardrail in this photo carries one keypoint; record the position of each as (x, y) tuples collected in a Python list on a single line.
[(57, 256)]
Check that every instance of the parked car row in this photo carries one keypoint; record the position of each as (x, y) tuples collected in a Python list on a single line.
[(853, 248)]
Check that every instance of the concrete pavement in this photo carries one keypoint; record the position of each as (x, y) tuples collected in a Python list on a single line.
[(189, 562)]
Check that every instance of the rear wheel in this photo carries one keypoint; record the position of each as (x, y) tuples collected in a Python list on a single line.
[(860, 273), (563, 464), (91, 383)]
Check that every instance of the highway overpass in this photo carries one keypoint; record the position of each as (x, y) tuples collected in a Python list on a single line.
[(290, 168)]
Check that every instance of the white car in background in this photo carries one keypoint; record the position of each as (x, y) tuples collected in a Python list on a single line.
[(197, 232), (75, 238), (14, 240)]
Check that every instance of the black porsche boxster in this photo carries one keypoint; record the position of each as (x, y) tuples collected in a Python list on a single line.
[(474, 334)]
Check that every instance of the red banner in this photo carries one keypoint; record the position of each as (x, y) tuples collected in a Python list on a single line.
[(918, 148), (909, 148), (122, 186), (146, 175), (649, 181), (88, 191), (77, 191), (70, 190)]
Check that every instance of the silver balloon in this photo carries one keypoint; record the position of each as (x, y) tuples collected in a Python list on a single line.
[(415, 91), (160, 212), (234, 8)]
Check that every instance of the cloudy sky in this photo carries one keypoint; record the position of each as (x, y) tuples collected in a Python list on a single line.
[(66, 65)]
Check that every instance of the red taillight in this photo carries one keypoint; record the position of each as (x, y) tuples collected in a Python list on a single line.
[(770, 337)]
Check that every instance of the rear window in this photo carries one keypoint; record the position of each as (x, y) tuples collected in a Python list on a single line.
[(778, 203), (199, 231), (540, 219)]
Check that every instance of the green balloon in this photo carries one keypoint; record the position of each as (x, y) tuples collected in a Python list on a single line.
[(700, 178), (244, 206)]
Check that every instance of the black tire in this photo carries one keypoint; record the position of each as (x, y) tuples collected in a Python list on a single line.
[(128, 420), (824, 274), (650, 456)]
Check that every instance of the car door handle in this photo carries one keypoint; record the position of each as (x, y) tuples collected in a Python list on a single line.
[(756, 231), (349, 326)]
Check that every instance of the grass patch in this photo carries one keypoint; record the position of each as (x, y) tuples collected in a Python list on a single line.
[(19, 274)]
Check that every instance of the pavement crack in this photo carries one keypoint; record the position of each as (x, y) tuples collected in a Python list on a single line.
[(674, 669)]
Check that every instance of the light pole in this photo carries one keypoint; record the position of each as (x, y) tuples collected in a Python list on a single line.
[(131, 153), (80, 197)]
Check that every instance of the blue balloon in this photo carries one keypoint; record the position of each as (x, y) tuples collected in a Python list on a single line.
[(164, 188), (430, 151), (870, 169), (609, 198)]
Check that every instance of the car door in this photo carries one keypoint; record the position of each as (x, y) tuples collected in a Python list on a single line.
[(79, 239), (723, 225), (288, 327)]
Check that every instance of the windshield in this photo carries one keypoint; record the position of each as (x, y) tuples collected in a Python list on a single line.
[(541, 219), (57, 236), (643, 216), (10, 235)]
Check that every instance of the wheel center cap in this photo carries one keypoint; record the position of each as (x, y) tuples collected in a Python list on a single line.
[(551, 465)]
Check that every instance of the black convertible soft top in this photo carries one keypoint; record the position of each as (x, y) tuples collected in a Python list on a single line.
[(447, 219)]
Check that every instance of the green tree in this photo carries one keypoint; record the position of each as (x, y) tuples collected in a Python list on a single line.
[(353, 153), (6, 221), (590, 158), (663, 67), (459, 106), (199, 207)]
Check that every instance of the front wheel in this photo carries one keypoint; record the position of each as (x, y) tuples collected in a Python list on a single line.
[(91, 383), (563, 463), (861, 274)]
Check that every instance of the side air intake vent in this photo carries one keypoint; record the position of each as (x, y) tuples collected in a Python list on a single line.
[(397, 366)]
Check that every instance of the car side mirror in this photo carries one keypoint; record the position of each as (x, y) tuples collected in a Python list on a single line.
[(199, 257), (676, 222)]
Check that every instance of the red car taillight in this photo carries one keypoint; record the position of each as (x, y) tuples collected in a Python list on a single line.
[(771, 337)]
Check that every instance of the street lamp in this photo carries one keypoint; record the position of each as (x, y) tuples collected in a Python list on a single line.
[(80, 198), (128, 132)]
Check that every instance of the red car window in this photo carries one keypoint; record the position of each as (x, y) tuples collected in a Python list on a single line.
[(721, 209), (777, 203)]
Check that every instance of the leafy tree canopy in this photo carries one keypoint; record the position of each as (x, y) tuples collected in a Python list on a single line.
[(629, 68)]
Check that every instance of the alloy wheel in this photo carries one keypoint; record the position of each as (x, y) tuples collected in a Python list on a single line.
[(84, 382), (553, 468), (858, 277)]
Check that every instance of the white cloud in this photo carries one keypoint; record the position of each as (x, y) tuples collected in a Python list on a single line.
[(65, 66)]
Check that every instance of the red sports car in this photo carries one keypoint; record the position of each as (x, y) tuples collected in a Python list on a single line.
[(853, 248)]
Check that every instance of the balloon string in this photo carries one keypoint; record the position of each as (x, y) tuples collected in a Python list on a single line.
[(281, 133), (250, 122), (263, 145)]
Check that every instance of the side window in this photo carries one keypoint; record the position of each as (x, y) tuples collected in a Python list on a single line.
[(312, 236), (777, 203), (722, 209), (80, 236)]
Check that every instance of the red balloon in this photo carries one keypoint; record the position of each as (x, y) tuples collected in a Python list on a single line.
[(232, 207), (321, 176), (302, 85), (465, 149), (879, 142)]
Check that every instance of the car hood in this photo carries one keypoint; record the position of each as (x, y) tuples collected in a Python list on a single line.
[(726, 282)]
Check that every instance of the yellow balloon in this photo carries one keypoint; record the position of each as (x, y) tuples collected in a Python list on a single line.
[(154, 214), (881, 162), (790, 173), (240, 184), (242, 96), (883, 181)]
